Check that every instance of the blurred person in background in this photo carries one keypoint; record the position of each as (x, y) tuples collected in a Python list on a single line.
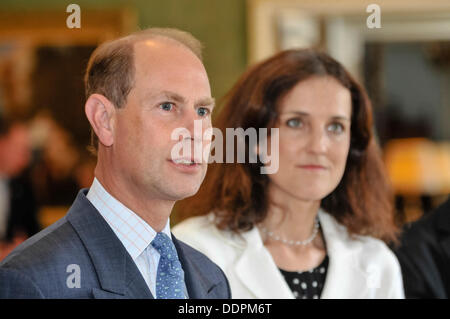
[(424, 255), (18, 209), (60, 167), (318, 227), (54, 167)]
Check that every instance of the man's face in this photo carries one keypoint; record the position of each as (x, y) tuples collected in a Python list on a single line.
[(171, 90)]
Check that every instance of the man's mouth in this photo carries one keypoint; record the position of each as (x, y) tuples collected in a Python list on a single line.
[(184, 161)]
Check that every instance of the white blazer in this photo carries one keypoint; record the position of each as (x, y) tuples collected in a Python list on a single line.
[(360, 267)]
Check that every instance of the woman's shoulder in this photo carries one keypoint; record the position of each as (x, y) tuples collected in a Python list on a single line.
[(368, 259), (362, 247)]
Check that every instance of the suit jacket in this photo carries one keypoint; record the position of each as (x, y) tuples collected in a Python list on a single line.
[(361, 267), (424, 255), (43, 266)]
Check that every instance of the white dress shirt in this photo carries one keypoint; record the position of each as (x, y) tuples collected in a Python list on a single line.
[(134, 233)]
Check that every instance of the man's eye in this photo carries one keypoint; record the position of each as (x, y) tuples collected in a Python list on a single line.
[(166, 106), (294, 123), (202, 111), (336, 128)]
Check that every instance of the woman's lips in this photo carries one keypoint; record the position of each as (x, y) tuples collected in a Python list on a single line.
[(312, 167)]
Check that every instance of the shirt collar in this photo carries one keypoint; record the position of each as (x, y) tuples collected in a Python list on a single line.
[(134, 233)]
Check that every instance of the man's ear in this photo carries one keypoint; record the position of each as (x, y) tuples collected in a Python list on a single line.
[(101, 114)]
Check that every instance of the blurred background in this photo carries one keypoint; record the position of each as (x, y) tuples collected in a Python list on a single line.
[(405, 66)]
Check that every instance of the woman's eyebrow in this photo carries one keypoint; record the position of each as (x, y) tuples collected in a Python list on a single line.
[(335, 117), (340, 117), (295, 112)]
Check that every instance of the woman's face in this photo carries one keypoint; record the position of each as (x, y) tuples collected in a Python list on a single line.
[(314, 138)]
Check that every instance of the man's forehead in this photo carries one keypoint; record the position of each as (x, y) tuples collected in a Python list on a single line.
[(161, 54), (160, 46), (164, 64)]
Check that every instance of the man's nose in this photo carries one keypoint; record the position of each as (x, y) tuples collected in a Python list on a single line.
[(194, 124)]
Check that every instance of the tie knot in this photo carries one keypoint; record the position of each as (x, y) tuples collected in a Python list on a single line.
[(164, 245)]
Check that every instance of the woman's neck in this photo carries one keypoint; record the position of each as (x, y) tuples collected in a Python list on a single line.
[(289, 217), (292, 218)]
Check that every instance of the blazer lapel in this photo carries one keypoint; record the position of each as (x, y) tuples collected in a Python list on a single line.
[(117, 273), (258, 272), (345, 278)]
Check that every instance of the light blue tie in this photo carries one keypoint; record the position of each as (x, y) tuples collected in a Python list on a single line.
[(170, 275)]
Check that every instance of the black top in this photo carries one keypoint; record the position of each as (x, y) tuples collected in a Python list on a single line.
[(307, 284)]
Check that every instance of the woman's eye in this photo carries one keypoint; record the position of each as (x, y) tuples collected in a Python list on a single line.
[(166, 106), (294, 123), (202, 111), (336, 128)]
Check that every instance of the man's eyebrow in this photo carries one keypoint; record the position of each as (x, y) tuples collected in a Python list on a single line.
[(207, 101), (173, 96)]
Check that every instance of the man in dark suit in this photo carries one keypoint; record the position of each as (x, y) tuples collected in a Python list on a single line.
[(424, 255), (115, 241)]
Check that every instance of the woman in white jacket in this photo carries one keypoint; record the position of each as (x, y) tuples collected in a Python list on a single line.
[(318, 226)]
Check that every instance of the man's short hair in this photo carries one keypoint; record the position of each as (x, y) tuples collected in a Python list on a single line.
[(111, 69)]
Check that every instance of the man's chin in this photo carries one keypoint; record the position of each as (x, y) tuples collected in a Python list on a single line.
[(188, 194), (184, 192)]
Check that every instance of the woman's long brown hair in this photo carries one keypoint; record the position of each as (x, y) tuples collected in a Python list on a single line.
[(238, 194)]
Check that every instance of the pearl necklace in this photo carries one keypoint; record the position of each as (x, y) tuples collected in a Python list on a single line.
[(294, 242)]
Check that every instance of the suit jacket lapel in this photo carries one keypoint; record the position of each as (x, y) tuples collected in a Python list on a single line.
[(256, 263), (346, 278), (117, 273)]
